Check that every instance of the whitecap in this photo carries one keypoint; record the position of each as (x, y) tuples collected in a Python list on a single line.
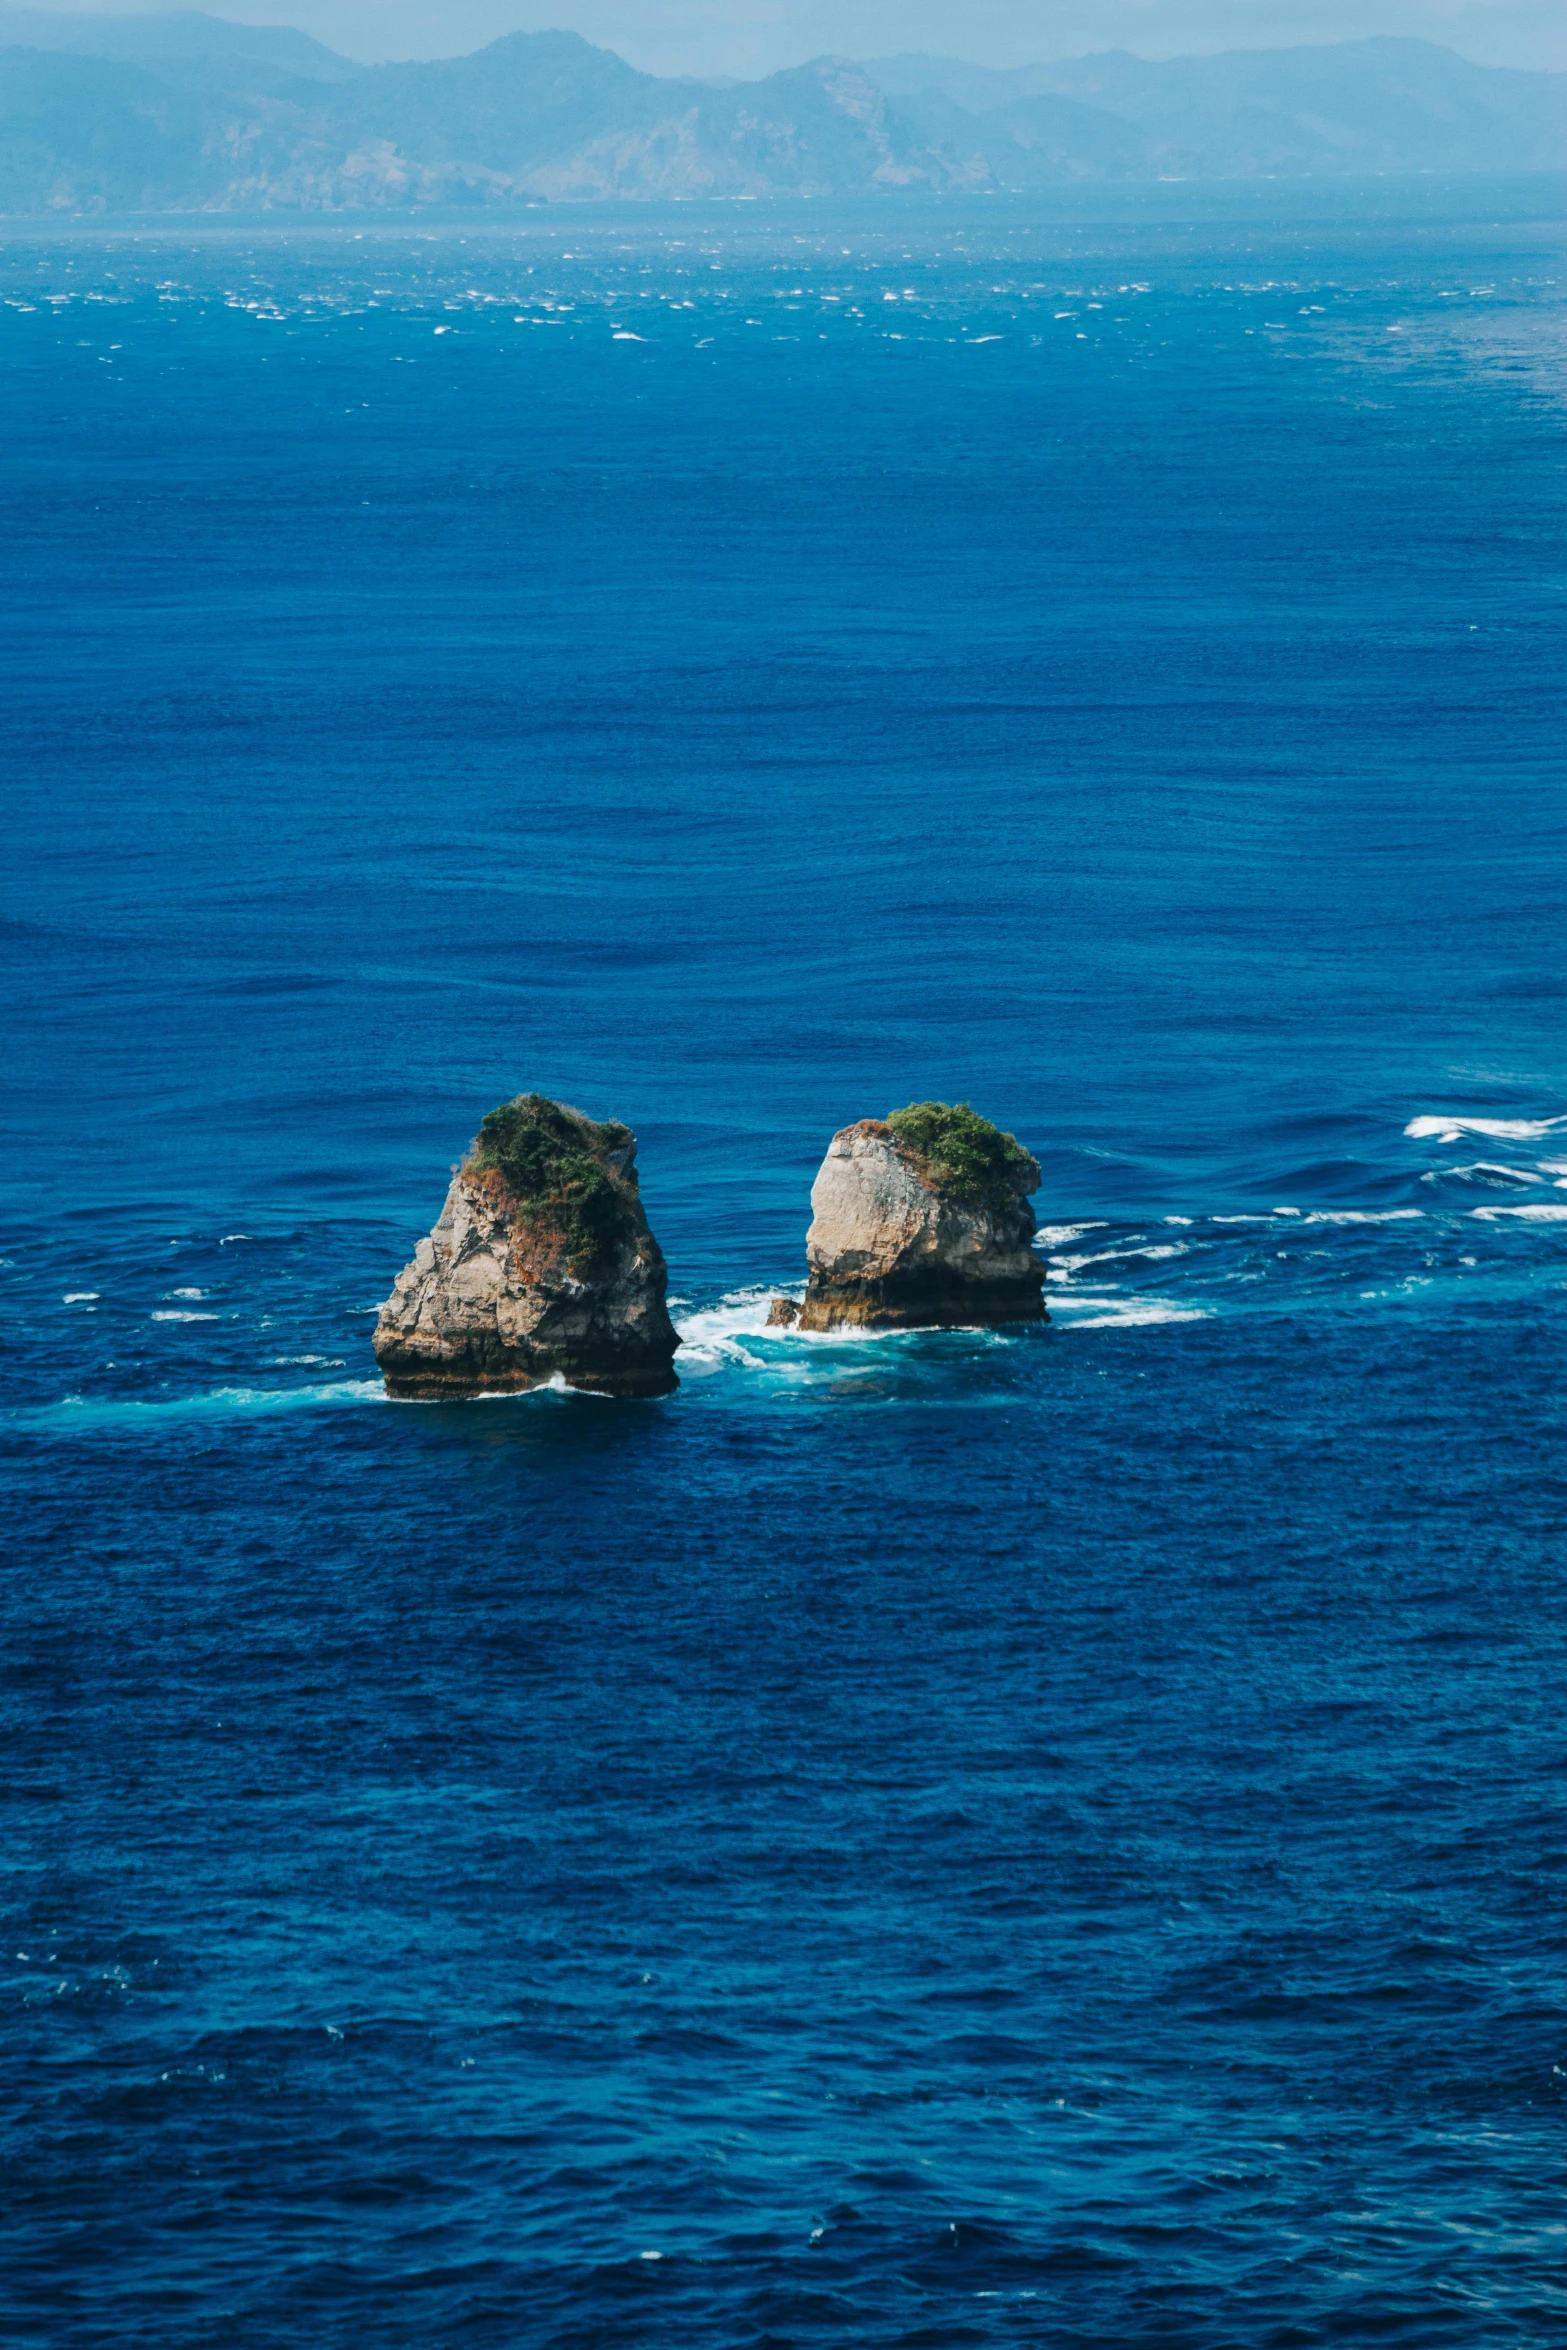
[(1163, 1248), (80, 1297), (1101, 1312), (1365, 1215), (170, 1315), (1537, 1212), (1485, 1170), (81, 1414), (1501, 1129), (1059, 1235), (184, 1293)]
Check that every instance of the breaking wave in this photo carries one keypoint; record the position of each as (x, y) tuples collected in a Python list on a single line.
[(90, 1415)]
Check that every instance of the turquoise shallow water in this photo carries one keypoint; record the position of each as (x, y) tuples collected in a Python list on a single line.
[(957, 1838)]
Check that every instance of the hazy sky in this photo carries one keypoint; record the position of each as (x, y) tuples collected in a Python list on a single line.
[(744, 37)]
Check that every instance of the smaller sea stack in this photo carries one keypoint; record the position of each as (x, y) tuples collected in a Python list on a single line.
[(541, 1262), (918, 1220)]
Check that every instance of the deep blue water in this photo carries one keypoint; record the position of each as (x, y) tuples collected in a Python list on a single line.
[(953, 1839)]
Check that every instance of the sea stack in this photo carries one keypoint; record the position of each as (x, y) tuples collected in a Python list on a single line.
[(541, 1262), (921, 1219)]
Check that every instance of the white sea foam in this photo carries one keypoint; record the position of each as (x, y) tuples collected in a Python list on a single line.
[(1113, 1256), (183, 1314), (1097, 1310), (82, 1414), (716, 1336), (184, 1293), (556, 1384), (1501, 1129), (1062, 1235), (1491, 1167), (739, 1310), (80, 1297), (1537, 1212), (1366, 1216), (712, 1336)]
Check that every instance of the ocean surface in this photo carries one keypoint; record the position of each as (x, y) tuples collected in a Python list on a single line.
[(955, 1839)]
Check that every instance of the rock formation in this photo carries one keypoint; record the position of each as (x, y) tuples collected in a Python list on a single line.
[(541, 1262), (918, 1219)]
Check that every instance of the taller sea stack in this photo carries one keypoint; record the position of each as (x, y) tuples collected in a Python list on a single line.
[(921, 1218), (541, 1263)]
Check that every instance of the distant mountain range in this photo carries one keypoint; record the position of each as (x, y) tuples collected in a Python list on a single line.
[(191, 113)]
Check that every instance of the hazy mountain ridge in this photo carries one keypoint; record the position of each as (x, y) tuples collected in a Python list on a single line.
[(191, 113), (188, 48), (1378, 105)]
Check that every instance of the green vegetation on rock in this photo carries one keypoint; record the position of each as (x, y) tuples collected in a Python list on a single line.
[(553, 1161), (961, 1155)]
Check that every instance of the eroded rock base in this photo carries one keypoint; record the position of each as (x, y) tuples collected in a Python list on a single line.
[(419, 1380), (914, 1305)]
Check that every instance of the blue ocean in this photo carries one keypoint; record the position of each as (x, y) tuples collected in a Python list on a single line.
[(1051, 1837)]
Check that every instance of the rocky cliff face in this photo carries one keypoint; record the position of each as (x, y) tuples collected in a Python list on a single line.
[(541, 1262), (921, 1219)]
